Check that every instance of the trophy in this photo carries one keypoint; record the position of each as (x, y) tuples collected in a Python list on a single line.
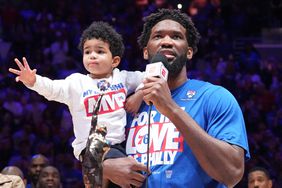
[(96, 146)]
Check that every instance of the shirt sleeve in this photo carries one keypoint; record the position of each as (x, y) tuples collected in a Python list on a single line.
[(225, 119), (134, 80), (53, 90)]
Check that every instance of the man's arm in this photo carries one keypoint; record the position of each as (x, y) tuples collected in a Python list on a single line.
[(222, 161)]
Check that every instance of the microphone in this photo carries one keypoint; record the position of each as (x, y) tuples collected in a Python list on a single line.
[(156, 67)]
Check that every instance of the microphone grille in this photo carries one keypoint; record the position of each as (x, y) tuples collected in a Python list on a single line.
[(159, 58)]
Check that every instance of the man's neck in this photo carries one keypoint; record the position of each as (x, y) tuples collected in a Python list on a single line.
[(176, 81)]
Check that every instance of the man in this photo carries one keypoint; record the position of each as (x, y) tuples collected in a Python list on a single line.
[(8, 181), (49, 178), (13, 170), (37, 162), (259, 177), (198, 136)]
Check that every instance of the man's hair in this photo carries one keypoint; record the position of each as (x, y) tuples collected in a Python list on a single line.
[(13, 170), (192, 33), (36, 156), (103, 31), (258, 168)]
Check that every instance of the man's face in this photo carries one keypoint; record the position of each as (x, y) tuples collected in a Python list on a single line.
[(168, 37), (36, 166), (49, 178), (258, 179)]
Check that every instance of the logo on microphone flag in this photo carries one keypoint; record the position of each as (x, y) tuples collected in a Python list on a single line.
[(164, 72)]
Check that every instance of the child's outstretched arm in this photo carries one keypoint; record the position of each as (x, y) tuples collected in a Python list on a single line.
[(134, 101), (24, 74)]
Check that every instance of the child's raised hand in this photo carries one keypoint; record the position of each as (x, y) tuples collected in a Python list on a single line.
[(24, 74)]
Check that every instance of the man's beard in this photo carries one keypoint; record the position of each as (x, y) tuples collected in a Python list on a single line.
[(174, 67)]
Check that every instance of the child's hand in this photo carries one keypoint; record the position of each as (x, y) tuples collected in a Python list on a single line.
[(133, 102), (25, 74)]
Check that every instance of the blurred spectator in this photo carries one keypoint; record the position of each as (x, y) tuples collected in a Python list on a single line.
[(37, 163), (13, 170), (71, 176), (4, 49), (259, 177), (11, 181), (59, 48), (6, 142), (12, 103), (250, 58), (49, 178), (21, 155)]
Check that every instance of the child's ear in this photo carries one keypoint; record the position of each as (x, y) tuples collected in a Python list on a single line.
[(116, 61)]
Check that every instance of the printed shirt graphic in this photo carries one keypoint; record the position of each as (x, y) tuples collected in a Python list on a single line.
[(172, 163), (111, 101)]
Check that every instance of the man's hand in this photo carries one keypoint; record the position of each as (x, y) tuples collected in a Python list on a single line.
[(157, 92), (124, 172), (25, 74)]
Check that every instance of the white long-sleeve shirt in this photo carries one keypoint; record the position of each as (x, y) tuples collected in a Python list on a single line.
[(80, 92)]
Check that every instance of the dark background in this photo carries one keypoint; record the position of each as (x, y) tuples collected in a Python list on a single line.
[(240, 49)]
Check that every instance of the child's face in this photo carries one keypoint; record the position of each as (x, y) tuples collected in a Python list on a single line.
[(98, 59)]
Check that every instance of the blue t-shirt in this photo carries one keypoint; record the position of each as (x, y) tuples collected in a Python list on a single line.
[(172, 162)]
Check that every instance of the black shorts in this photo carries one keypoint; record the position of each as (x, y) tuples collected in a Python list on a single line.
[(116, 151)]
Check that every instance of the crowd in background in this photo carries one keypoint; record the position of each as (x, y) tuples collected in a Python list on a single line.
[(47, 32)]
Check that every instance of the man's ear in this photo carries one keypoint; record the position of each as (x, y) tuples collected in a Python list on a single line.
[(116, 61), (189, 53), (145, 53), (270, 183)]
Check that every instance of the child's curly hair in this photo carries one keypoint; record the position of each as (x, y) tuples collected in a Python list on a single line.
[(103, 31)]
